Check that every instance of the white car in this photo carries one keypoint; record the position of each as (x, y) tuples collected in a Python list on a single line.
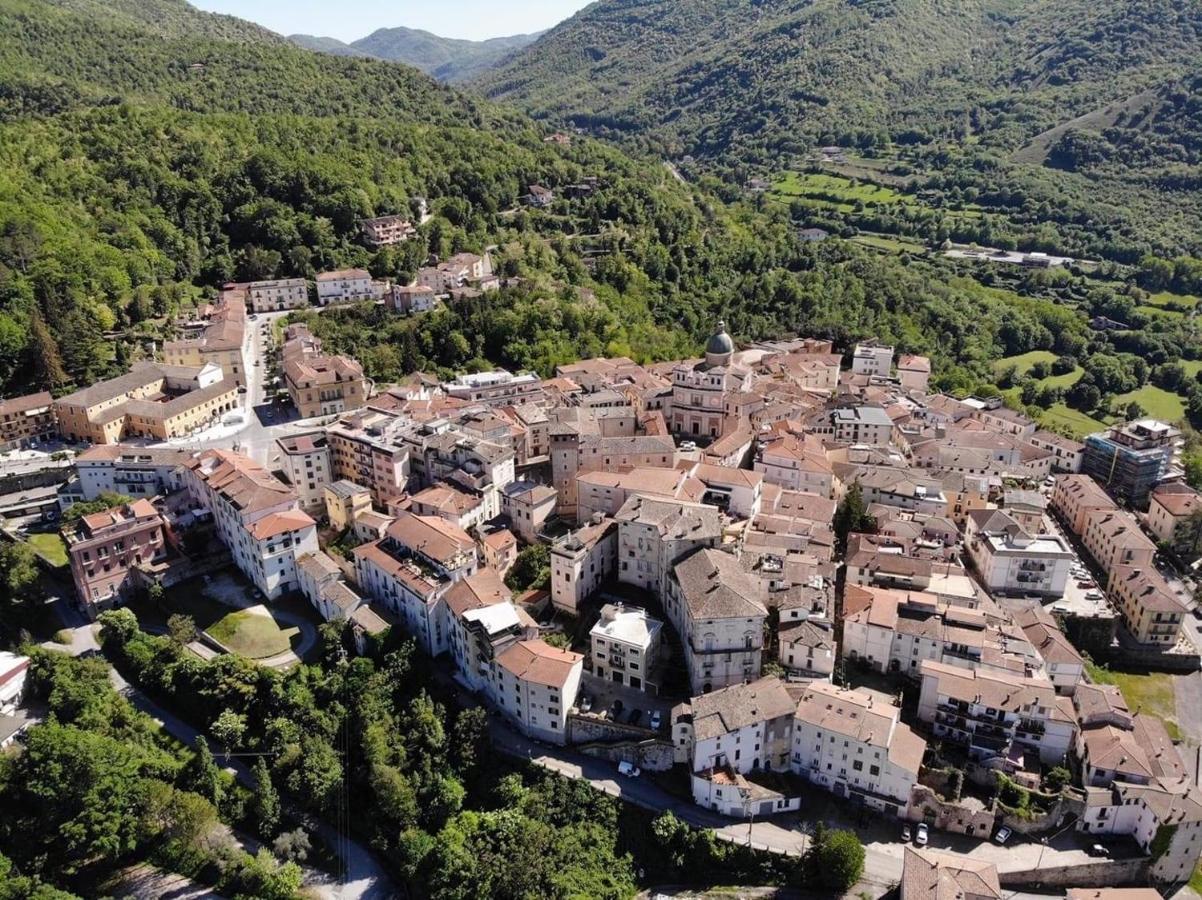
[(1003, 835), (629, 769), (922, 835)]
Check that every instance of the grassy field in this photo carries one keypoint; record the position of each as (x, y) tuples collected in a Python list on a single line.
[(1159, 403), (51, 547), (252, 635), (249, 634), (1152, 694), (1164, 298), (1024, 361), (890, 244), (1076, 422), (841, 191)]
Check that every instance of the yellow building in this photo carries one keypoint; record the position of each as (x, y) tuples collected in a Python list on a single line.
[(218, 340), (153, 400)]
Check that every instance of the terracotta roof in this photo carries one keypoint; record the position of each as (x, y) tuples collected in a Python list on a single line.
[(485, 588), (280, 523), (731, 708), (539, 662), (931, 875)]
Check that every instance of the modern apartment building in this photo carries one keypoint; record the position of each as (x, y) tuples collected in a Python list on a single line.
[(1130, 460), (496, 388), (385, 231), (998, 716), (1014, 562), (624, 647)]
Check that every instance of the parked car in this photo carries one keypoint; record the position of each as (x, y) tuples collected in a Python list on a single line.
[(688, 446), (656, 719), (922, 835), (1093, 595), (1098, 850), (906, 834), (629, 769), (1003, 835), (635, 716), (1086, 583)]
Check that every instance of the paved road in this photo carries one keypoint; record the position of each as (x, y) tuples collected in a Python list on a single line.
[(785, 834)]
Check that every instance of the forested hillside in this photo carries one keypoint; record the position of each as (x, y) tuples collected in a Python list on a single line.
[(752, 78), (446, 59)]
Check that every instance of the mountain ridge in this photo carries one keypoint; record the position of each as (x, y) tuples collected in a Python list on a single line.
[(450, 60)]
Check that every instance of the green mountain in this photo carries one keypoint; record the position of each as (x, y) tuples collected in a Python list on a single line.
[(447, 59), (330, 45), (749, 79)]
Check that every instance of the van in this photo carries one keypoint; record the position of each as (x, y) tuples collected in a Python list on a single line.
[(629, 769)]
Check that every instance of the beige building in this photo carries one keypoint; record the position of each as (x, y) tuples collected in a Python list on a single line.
[(914, 372), (582, 562), (277, 295), (1175, 517), (367, 448), (219, 338), (384, 231), (930, 875), (719, 611), (344, 502), (528, 506), (346, 286), (1113, 538), (535, 685), (653, 535), (701, 390), (319, 384), (1075, 496), (153, 400), (1149, 607)]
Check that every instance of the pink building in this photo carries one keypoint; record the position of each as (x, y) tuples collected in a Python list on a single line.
[(106, 549)]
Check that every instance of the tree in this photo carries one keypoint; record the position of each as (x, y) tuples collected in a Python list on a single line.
[(262, 878), (181, 628), (265, 802), (852, 516), (48, 362), (229, 729), (836, 859), (202, 775), (292, 846), (155, 594), (531, 570), (18, 564)]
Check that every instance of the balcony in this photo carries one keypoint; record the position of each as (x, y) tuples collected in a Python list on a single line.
[(992, 744)]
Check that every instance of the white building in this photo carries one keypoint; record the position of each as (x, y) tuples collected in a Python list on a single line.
[(14, 670), (868, 425), (870, 359), (1164, 818), (1012, 561), (277, 295), (258, 517), (997, 716), (346, 286), (496, 388), (654, 534), (411, 569), (534, 685), (528, 505), (306, 459), (718, 610), (624, 645), (853, 744), (582, 562)]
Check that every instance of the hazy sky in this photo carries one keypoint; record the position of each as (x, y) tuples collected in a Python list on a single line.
[(348, 20)]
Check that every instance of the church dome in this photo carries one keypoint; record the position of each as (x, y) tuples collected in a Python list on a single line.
[(719, 343)]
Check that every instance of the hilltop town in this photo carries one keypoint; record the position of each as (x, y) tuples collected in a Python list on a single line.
[(778, 568)]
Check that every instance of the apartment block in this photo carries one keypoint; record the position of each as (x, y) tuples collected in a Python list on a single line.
[(1113, 538), (653, 535), (718, 610), (1174, 517), (851, 743), (743, 728), (346, 286), (624, 647), (257, 517), (1075, 496), (320, 384), (28, 420), (1150, 608), (277, 295), (872, 359), (108, 548), (306, 459), (132, 471), (997, 716), (1014, 562), (496, 388), (368, 448), (385, 231), (535, 685), (1130, 460)]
